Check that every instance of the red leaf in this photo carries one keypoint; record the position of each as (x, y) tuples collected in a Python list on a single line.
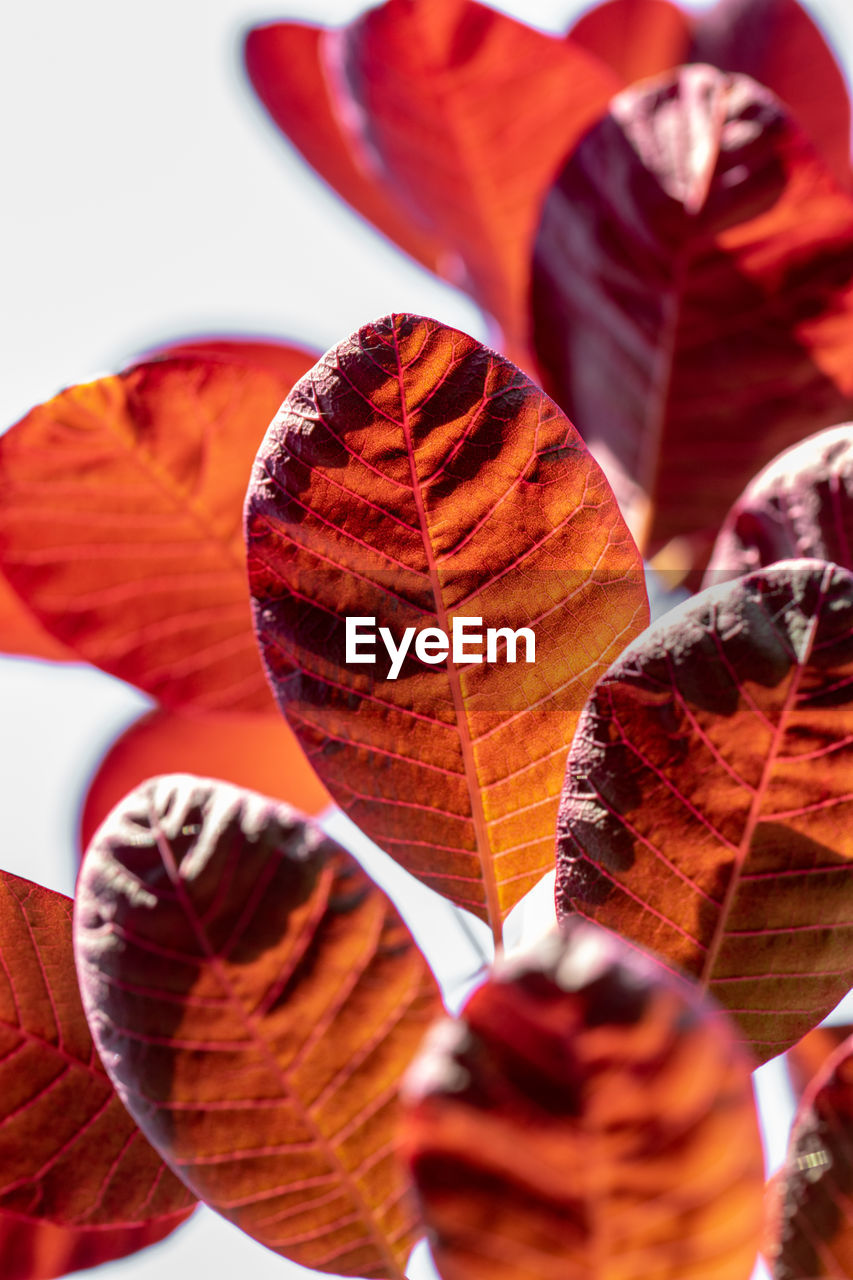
[(69, 1152), (257, 751), (256, 998), (286, 361), (587, 1115), (799, 505), (809, 1055), (22, 634), (285, 64), (810, 1232), (708, 808), (120, 524), (41, 1251), (775, 42), (417, 478), (693, 320), (460, 113)]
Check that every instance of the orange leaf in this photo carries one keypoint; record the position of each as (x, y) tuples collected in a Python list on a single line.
[(69, 1152), (284, 62), (708, 808), (41, 1251), (22, 634), (417, 478), (810, 1213), (121, 523), (694, 319), (257, 998), (257, 751), (587, 1115), (775, 42), (461, 114)]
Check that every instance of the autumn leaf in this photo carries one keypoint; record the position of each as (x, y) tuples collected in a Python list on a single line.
[(419, 479), (775, 42), (256, 751), (810, 1231), (21, 634), (34, 1250), (801, 504), (457, 113), (587, 1115), (707, 808), (69, 1152), (256, 999), (693, 319), (120, 523)]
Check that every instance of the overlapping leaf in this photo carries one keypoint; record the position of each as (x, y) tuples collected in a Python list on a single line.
[(693, 298), (418, 478), (775, 42), (256, 751), (587, 1115), (34, 1250), (460, 113), (120, 522), (808, 1056), (708, 807), (799, 505), (811, 1199), (285, 64), (69, 1152), (256, 998)]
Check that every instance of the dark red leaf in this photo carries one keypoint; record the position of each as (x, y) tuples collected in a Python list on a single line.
[(810, 1202), (708, 807), (257, 998), (257, 751), (32, 1250), (799, 505), (417, 478), (120, 522), (69, 1152), (693, 296), (775, 42), (588, 1115)]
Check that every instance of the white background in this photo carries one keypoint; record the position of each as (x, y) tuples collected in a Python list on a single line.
[(146, 197)]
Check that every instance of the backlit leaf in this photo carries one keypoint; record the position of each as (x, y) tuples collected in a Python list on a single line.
[(256, 998), (69, 1152), (799, 505), (285, 64), (256, 751), (121, 523), (775, 42), (693, 297), (417, 478), (461, 114), (810, 1201), (22, 634), (708, 807), (586, 1116), (32, 1250)]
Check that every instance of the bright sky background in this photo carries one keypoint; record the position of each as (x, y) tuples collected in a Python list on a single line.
[(148, 197)]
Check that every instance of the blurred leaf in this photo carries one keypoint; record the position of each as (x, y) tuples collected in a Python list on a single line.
[(458, 114), (809, 1055), (69, 1152), (417, 478), (587, 1116), (41, 1251), (257, 998), (708, 808), (257, 751), (121, 522), (810, 1209), (693, 297), (22, 634), (775, 42), (801, 504)]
